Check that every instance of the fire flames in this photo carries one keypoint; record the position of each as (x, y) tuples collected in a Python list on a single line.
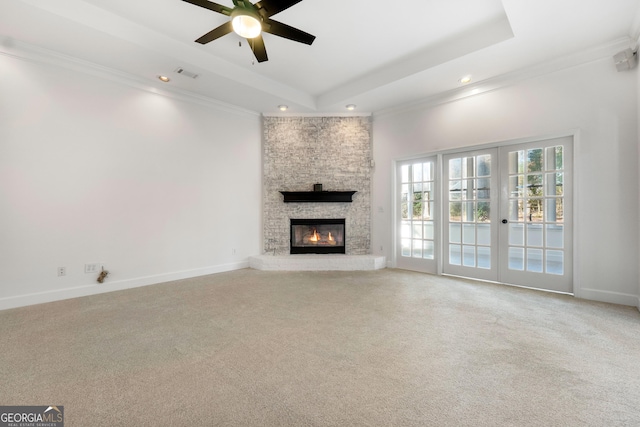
[(316, 238)]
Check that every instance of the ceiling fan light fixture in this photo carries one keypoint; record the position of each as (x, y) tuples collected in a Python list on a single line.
[(245, 24)]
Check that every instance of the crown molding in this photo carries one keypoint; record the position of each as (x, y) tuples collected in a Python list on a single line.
[(30, 53), (596, 53)]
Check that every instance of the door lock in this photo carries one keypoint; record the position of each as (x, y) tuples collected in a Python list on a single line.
[(504, 221)]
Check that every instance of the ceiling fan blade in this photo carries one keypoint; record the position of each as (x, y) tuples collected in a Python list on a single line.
[(258, 48), (211, 6), (218, 32), (283, 30), (267, 8)]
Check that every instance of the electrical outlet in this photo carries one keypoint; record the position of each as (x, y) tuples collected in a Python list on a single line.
[(93, 268), (62, 271)]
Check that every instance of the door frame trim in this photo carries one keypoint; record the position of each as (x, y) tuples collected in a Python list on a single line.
[(575, 133)]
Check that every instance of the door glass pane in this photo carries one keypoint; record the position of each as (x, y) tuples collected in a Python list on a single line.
[(417, 230), (455, 211), (516, 234), (417, 248), (404, 201), (417, 201), (555, 209), (428, 230), (469, 256), (484, 234), (468, 167), (534, 160), (534, 260), (484, 257), (455, 190), (516, 210), (555, 183), (455, 168), (534, 210), (427, 171), (417, 172), (555, 236), (469, 234), (534, 185), (555, 262), (483, 187), (516, 162), (405, 230), (455, 233), (468, 189), (469, 211), (455, 254), (516, 259), (516, 186), (484, 212), (484, 165), (555, 159), (404, 173), (429, 250), (406, 247), (534, 235)]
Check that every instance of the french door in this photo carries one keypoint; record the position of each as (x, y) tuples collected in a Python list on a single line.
[(471, 232), (416, 211), (506, 214), (536, 201)]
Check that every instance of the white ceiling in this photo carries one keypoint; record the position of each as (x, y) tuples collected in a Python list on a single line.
[(376, 54)]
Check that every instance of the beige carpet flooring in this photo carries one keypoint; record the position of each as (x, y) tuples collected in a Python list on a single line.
[(381, 348)]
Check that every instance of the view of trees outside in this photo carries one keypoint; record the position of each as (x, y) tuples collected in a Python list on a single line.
[(527, 170), (469, 189)]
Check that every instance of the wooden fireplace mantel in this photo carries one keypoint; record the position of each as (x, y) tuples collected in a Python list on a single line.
[(318, 196)]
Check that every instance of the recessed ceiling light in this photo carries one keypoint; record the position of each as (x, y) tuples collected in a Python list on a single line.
[(283, 107), (164, 79), (464, 80), (351, 107)]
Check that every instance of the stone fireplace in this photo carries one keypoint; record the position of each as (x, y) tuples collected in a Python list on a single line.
[(299, 152)]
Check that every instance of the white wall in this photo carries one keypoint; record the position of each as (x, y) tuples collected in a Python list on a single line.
[(638, 144), (595, 99), (92, 170)]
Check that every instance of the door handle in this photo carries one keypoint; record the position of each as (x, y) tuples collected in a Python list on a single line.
[(504, 221)]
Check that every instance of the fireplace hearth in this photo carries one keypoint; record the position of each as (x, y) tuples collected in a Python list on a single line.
[(318, 236)]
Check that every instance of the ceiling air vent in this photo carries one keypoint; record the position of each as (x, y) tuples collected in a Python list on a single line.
[(186, 73)]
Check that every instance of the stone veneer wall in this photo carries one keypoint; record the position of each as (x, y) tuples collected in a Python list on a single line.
[(302, 151)]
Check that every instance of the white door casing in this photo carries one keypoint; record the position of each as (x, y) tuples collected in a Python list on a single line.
[(502, 214)]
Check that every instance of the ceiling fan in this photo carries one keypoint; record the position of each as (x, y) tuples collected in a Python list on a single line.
[(249, 20)]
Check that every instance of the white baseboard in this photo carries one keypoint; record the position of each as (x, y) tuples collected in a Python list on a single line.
[(610, 297), (111, 286)]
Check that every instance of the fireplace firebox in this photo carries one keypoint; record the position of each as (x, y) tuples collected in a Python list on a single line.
[(318, 236)]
